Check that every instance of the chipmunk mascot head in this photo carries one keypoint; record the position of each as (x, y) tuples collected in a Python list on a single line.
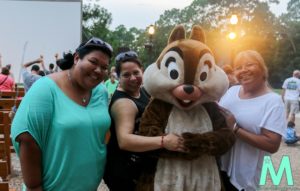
[(185, 84)]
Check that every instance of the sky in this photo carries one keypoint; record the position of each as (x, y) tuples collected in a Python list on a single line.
[(142, 13), (32, 28)]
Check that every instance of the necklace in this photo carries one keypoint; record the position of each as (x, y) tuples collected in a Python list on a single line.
[(83, 98)]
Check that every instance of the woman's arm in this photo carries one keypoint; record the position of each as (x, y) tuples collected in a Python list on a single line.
[(31, 162), (123, 113), (268, 140), (34, 115)]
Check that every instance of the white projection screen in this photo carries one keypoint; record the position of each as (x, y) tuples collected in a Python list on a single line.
[(30, 28)]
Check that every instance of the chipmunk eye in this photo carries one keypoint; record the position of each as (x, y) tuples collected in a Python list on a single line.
[(172, 68), (204, 72)]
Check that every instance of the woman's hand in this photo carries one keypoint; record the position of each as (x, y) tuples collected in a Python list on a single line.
[(173, 142), (229, 117)]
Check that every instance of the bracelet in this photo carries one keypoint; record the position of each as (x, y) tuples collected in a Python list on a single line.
[(162, 142), (235, 127)]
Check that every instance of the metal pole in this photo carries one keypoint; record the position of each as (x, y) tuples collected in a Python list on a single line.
[(22, 60)]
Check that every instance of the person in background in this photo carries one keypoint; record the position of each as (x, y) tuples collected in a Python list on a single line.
[(111, 84), (125, 160), (113, 71), (59, 129), (291, 136), (51, 68), (230, 74), (256, 115), (8, 66), (6, 82), (290, 95), (31, 77), (44, 71)]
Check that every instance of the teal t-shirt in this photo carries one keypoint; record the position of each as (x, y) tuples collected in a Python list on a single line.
[(111, 87), (71, 136)]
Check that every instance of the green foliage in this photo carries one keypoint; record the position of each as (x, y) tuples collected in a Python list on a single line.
[(276, 38), (293, 10), (96, 21), (287, 54)]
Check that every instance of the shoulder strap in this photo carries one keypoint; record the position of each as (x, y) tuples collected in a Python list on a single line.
[(3, 80)]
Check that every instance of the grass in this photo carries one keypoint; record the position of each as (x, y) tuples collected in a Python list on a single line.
[(277, 91)]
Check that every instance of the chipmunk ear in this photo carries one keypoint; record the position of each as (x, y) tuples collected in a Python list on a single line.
[(177, 33), (197, 33)]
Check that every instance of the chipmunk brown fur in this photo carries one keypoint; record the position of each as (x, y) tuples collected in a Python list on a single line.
[(185, 84)]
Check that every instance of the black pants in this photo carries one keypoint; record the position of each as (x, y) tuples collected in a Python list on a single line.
[(115, 183), (226, 182)]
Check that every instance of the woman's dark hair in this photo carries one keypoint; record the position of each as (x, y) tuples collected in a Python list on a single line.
[(128, 56), (66, 62), (5, 71)]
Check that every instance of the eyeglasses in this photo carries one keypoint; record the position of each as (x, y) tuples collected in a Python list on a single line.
[(126, 55), (97, 42), (246, 65)]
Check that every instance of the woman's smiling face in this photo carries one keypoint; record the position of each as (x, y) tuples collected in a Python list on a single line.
[(91, 69), (131, 76), (248, 72)]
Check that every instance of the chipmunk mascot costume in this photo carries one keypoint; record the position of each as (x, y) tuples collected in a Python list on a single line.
[(185, 84)]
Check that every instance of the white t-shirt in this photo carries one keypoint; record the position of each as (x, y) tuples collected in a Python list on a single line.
[(243, 162), (292, 88)]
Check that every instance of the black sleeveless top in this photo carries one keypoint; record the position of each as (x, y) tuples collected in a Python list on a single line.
[(124, 165)]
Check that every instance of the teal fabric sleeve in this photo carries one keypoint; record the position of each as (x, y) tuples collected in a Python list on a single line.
[(34, 114)]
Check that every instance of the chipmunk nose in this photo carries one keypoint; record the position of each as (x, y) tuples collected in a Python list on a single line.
[(188, 89)]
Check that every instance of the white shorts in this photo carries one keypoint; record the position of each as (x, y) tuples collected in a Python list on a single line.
[(291, 106)]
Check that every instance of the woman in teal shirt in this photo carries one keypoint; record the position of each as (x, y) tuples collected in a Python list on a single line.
[(59, 129)]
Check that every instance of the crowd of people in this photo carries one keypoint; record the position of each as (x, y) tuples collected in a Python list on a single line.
[(38, 70), (61, 125)]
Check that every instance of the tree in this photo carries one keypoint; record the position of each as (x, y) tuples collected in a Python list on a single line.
[(293, 10), (277, 39), (96, 21), (122, 37), (287, 55)]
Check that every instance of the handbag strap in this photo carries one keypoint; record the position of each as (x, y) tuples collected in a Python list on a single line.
[(4, 80)]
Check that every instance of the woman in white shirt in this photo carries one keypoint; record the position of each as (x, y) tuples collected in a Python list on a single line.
[(257, 116)]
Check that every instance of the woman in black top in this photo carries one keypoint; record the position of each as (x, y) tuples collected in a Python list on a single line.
[(125, 160)]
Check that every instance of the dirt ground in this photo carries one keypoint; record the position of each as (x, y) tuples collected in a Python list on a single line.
[(293, 152)]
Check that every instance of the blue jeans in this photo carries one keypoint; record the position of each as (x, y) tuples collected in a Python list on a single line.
[(292, 141)]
